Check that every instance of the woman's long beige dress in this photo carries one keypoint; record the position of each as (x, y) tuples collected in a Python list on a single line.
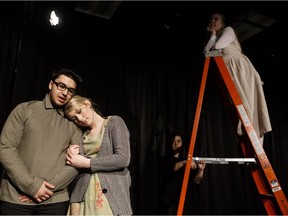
[(246, 79)]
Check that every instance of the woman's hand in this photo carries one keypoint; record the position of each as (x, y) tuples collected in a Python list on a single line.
[(77, 160), (193, 165), (73, 149), (211, 29), (201, 165)]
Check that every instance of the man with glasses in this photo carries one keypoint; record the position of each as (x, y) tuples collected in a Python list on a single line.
[(33, 145)]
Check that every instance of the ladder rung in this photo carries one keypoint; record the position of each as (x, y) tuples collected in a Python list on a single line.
[(209, 160), (266, 195)]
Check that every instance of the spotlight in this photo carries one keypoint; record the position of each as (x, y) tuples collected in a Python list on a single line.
[(54, 18)]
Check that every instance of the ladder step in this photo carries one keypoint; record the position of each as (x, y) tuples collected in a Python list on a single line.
[(266, 195), (213, 53)]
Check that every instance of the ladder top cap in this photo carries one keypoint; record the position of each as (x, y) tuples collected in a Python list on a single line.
[(213, 53)]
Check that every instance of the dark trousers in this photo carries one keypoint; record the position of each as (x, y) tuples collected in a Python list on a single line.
[(49, 209)]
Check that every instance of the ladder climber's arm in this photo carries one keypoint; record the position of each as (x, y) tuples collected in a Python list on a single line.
[(225, 39), (214, 43)]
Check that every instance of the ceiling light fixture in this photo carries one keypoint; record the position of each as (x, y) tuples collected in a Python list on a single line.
[(54, 18)]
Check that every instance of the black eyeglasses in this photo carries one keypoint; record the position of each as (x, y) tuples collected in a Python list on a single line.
[(63, 87)]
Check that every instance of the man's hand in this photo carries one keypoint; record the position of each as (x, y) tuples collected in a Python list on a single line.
[(24, 198), (45, 192)]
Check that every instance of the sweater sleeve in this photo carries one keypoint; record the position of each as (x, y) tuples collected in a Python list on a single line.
[(9, 156), (227, 36), (68, 173), (210, 43), (114, 153)]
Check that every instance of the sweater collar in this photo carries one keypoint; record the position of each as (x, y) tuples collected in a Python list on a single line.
[(49, 105)]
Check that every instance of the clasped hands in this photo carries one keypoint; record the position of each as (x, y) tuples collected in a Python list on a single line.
[(44, 193)]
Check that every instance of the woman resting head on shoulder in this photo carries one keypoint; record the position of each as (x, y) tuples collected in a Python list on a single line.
[(105, 157), (82, 111)]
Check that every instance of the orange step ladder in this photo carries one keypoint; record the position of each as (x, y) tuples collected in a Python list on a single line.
[(264, 177)]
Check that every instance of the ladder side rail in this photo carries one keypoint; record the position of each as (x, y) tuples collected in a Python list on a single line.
[(193, 137), (260, 153), (260, 183), (247, 150)]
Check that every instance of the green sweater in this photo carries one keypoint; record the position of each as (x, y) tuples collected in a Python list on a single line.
[(33, 146)]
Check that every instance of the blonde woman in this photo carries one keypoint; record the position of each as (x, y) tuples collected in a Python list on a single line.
[(245, 77), (102, 188)]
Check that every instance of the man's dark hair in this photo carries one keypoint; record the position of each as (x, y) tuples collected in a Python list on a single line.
[(69, 73)]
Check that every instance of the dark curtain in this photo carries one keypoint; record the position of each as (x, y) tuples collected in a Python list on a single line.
[(154, 86)]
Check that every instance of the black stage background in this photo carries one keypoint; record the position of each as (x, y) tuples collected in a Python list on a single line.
[(145, 63)]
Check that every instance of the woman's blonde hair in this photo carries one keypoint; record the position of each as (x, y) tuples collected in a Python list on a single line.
[(77, 101)]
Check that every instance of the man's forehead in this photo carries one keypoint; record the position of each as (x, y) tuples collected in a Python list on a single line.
[(66, 80)]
